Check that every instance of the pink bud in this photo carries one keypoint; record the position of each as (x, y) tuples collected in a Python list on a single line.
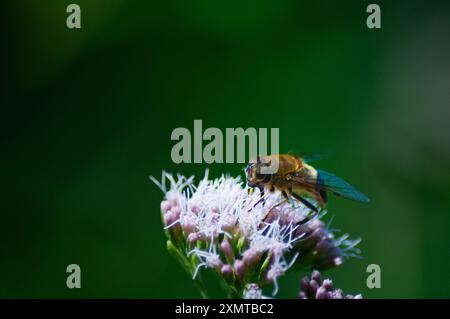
[(165, 206), (227, 250), (195, 209), (192, 238), (188, 227), (215, 263), (239, 268), (168, 218), (176, 210), (227, 271), (250, 257), (322, 293)]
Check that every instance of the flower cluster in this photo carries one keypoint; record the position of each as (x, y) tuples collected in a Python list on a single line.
[(314, 288), (217, 225)]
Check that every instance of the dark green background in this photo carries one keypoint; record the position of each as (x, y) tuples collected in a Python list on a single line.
[(88, 115)]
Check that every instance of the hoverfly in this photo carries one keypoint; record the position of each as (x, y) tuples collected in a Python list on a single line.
[(296, 177)]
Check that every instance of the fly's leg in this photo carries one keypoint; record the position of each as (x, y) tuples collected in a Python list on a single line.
[(262, 198), (304, 202), (307, 204), (286, 198)]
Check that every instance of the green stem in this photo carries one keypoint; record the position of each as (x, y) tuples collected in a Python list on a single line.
[(201, 287)]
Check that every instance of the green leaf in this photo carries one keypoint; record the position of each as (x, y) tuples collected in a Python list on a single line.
[(175, 252), (263, 269), (240, 244)]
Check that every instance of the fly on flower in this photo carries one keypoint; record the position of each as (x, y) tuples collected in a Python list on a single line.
[(296, 177)]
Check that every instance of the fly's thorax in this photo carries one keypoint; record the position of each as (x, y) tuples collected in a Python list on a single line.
[(309, 171), (288, 164)]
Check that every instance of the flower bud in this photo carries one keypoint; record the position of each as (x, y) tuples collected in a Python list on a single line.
[(251, 257), (165, 206), (322, 293), (314, 288), (227, 250), (252, 291), (227, 272), (239, 268)]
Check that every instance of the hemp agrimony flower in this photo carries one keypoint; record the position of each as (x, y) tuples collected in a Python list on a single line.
[(216, 225), (314, 288)]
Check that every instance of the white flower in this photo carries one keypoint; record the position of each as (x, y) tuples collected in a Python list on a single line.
[(278, 268), (208, 259), (252, 291), (218, 222), (215, 207)]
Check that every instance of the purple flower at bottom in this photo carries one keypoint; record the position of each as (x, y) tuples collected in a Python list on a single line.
[(314, 288)]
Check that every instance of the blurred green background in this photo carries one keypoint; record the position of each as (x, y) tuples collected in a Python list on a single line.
[(88, 115)]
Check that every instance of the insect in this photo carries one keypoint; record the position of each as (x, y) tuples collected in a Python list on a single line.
[(295, 177)]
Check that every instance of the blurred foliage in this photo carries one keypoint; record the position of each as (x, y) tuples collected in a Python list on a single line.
[(89, 113)]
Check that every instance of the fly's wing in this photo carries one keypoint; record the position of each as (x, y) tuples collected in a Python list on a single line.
[(332, 183), (310, 158)]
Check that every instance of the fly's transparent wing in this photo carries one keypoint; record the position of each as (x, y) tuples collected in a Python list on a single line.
[(310, 158), (330, 182)]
